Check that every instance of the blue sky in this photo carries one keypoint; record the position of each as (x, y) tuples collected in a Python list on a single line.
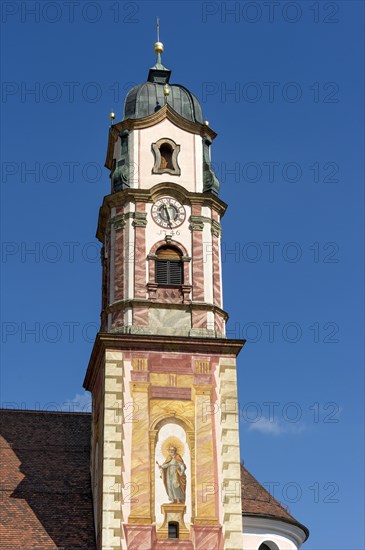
[(282, 85)]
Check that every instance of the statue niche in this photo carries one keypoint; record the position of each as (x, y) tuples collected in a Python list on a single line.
[(172, 482)]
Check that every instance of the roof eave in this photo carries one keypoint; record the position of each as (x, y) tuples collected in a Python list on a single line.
[(278, 518)]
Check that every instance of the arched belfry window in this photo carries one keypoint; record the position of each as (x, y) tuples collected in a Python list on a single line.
[(169, 266), (166, 151)]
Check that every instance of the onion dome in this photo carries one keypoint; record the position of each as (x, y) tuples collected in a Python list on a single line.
[(147, 98)]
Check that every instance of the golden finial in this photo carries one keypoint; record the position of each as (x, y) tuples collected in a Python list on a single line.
[(206, 122), (112, 116), (158, 47), (166, 90)]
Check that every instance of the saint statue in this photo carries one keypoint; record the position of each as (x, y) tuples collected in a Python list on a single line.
[(173, 474)]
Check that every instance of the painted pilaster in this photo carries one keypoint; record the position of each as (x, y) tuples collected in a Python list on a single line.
[(112, 452), (230, 455), (216, 235), (197, 227), (118, 224), (139, 223)]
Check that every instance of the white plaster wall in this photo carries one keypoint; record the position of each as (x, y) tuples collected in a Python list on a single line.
[(134, 158), (220, 274), (133, 165), (199, 164), (144, 156), (129, 252), (112, 259), (253, 542), (258, 530), (207, 258)]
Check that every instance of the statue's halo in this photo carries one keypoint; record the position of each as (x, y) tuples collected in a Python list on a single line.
[(172, 441)]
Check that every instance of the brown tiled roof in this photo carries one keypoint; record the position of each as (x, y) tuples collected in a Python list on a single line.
[(45, 491), (257, 501), (45, 499)]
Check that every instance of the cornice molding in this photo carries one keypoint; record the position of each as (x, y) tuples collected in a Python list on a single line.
[(118, 222), (120, 304), (139, 219), (137, 342), (216, 229), (196, 223), (121, 198)]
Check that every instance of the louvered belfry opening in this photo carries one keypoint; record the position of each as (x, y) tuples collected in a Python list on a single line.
[(169, 267)]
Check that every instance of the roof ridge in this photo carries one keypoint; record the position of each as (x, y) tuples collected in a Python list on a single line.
[(42, 411)]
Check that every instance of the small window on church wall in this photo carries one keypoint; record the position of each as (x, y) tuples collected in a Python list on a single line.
[(166, 156), (265, 546), (166, 153), (173, 530), (169, 267)]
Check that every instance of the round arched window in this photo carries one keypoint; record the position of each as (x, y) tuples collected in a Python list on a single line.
[(268, 545), (169, 266)]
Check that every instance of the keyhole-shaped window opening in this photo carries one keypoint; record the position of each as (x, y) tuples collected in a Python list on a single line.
[(166, 157), (173, 530), (166, 153), (169, 266)]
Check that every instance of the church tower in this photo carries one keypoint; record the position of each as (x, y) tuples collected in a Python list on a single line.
[(165, 464)]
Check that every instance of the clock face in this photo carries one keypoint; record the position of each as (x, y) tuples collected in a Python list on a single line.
[(168, 212)]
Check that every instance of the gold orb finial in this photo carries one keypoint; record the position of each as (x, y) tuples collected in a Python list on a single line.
[(112, 115), (206, 122), (158, 47), (166, 90)]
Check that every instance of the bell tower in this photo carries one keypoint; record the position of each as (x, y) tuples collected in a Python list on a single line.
[(165, 462)]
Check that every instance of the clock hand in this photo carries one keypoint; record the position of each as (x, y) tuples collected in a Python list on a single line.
[(168, 214)]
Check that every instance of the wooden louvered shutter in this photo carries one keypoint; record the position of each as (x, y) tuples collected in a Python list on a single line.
[(169, 267), (162, 272), (175, 272)]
